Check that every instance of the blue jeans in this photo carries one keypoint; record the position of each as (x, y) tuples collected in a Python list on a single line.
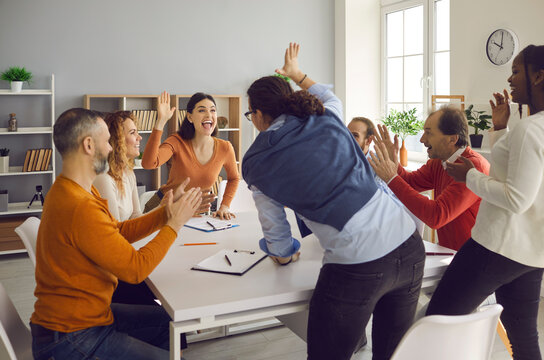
[(474, 274), (346, 295), (138, 332)]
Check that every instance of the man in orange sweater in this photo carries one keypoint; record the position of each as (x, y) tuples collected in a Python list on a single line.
[(454, 208), (82, 251)]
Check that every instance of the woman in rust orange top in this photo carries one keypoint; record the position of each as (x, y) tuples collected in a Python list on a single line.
[(195, 151)]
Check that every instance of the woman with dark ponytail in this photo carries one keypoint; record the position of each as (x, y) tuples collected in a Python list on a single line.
[(195, 151), (306, 159), (506, 252)]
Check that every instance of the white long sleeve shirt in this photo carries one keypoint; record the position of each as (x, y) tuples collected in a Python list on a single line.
[(510, 221)]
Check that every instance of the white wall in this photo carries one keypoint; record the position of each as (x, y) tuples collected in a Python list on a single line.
[(143, 47), (357, 57)]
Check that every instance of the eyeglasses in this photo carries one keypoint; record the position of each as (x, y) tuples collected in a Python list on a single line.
[(247, 114)]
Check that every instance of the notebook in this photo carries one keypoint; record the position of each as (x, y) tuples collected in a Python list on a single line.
[(230, 261), (209, 224)]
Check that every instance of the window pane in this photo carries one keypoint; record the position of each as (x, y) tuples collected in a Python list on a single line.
[(394, 34), (394, 80), (398, 107), (442, 73), (413, 72), (413, 31), (442, 36)]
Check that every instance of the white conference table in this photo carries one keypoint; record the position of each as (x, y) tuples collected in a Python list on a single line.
[(198, 300)]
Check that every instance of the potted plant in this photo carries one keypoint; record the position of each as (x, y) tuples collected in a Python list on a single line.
[(4, 160), (479, 120), (16, 76), (403, 123), (138, 160)]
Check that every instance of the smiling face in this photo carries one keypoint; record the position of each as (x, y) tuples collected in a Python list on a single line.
[(518, 81), (132, 139), (204, 117), (439, 145)]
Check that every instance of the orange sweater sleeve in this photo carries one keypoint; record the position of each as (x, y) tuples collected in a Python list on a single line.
[(105, 241), (155, 153), (233, 176)]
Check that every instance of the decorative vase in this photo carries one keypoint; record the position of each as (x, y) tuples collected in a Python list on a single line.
[(3, 200), (16, 86), (403, 154), (137, 162), (476, 140), (222, 122), (4, 164)]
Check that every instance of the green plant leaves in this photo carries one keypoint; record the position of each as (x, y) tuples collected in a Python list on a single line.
[(479, 120), (16, 73), (403, 123)]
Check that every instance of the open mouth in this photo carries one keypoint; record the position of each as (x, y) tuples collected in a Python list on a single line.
[(208, 125)]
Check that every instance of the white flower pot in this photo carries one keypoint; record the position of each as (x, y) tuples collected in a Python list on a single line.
[(16, 86), (4, 164), (138, 162)]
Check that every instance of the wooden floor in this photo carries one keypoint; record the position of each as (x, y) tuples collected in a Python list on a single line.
[(17, 276)]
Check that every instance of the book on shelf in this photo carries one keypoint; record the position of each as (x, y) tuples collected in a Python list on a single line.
[(31, 160), (47, 159), (39, 162), (27, 159)]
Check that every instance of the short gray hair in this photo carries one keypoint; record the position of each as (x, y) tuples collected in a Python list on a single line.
[(72, 126)]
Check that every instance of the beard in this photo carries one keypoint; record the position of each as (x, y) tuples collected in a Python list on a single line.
[(100, 164)]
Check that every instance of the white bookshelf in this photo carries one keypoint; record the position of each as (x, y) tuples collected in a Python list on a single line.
[(23, 139)]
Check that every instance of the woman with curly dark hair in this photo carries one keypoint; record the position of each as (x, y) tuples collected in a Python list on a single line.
[(506, 253), (306, 159)]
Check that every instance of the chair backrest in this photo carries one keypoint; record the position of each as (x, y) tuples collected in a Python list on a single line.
[(468, 337), (242, 201), (15, 336), (28, 232), (144, 198)]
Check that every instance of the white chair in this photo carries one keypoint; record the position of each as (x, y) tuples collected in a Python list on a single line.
[(28, 232), (242, 201), (15, 336), (467, 337), (144, 198)]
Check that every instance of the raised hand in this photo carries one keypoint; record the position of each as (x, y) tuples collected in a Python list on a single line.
[(164, 110), (392, 146), (500, 110), (384, 167), (290, 66), (178, 212)]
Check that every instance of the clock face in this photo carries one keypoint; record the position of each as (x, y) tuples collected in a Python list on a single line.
[(501, 46)]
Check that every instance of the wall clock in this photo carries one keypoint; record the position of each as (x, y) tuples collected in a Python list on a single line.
[(501, 46)]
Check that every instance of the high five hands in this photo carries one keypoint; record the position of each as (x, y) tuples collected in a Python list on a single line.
[(385, 159)]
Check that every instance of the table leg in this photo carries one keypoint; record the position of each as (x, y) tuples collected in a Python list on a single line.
[(175, 342)]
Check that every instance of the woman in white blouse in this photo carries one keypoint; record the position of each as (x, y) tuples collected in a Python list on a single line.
[(506, 252), (118, 185)]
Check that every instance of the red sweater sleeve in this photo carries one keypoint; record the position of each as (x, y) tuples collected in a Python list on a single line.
[(454, 199)]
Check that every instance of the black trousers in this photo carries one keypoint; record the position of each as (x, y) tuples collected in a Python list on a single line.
[(346, 295), (474, 274)]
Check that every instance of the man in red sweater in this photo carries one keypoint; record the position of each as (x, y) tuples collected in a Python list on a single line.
[(453, 210)]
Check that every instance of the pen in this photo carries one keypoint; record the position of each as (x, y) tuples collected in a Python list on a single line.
[(438, 253), (192, 244), (227, 258), (245, 251), (209, 223)]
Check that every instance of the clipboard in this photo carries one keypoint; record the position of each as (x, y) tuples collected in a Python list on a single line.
[(209, 224), (230, 261)]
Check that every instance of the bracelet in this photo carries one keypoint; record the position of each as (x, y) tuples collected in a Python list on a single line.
[(301, 81)]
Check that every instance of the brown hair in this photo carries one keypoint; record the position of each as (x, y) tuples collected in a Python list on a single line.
[(72, 126), (117, 159), (370, 128), (453, 122), (274, 96), (532, 56)]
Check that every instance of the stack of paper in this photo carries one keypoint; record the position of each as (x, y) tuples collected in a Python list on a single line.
[(209, 223), (230, 261)]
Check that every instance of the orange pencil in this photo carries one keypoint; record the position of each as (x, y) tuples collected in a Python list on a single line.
[(191, 244)]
